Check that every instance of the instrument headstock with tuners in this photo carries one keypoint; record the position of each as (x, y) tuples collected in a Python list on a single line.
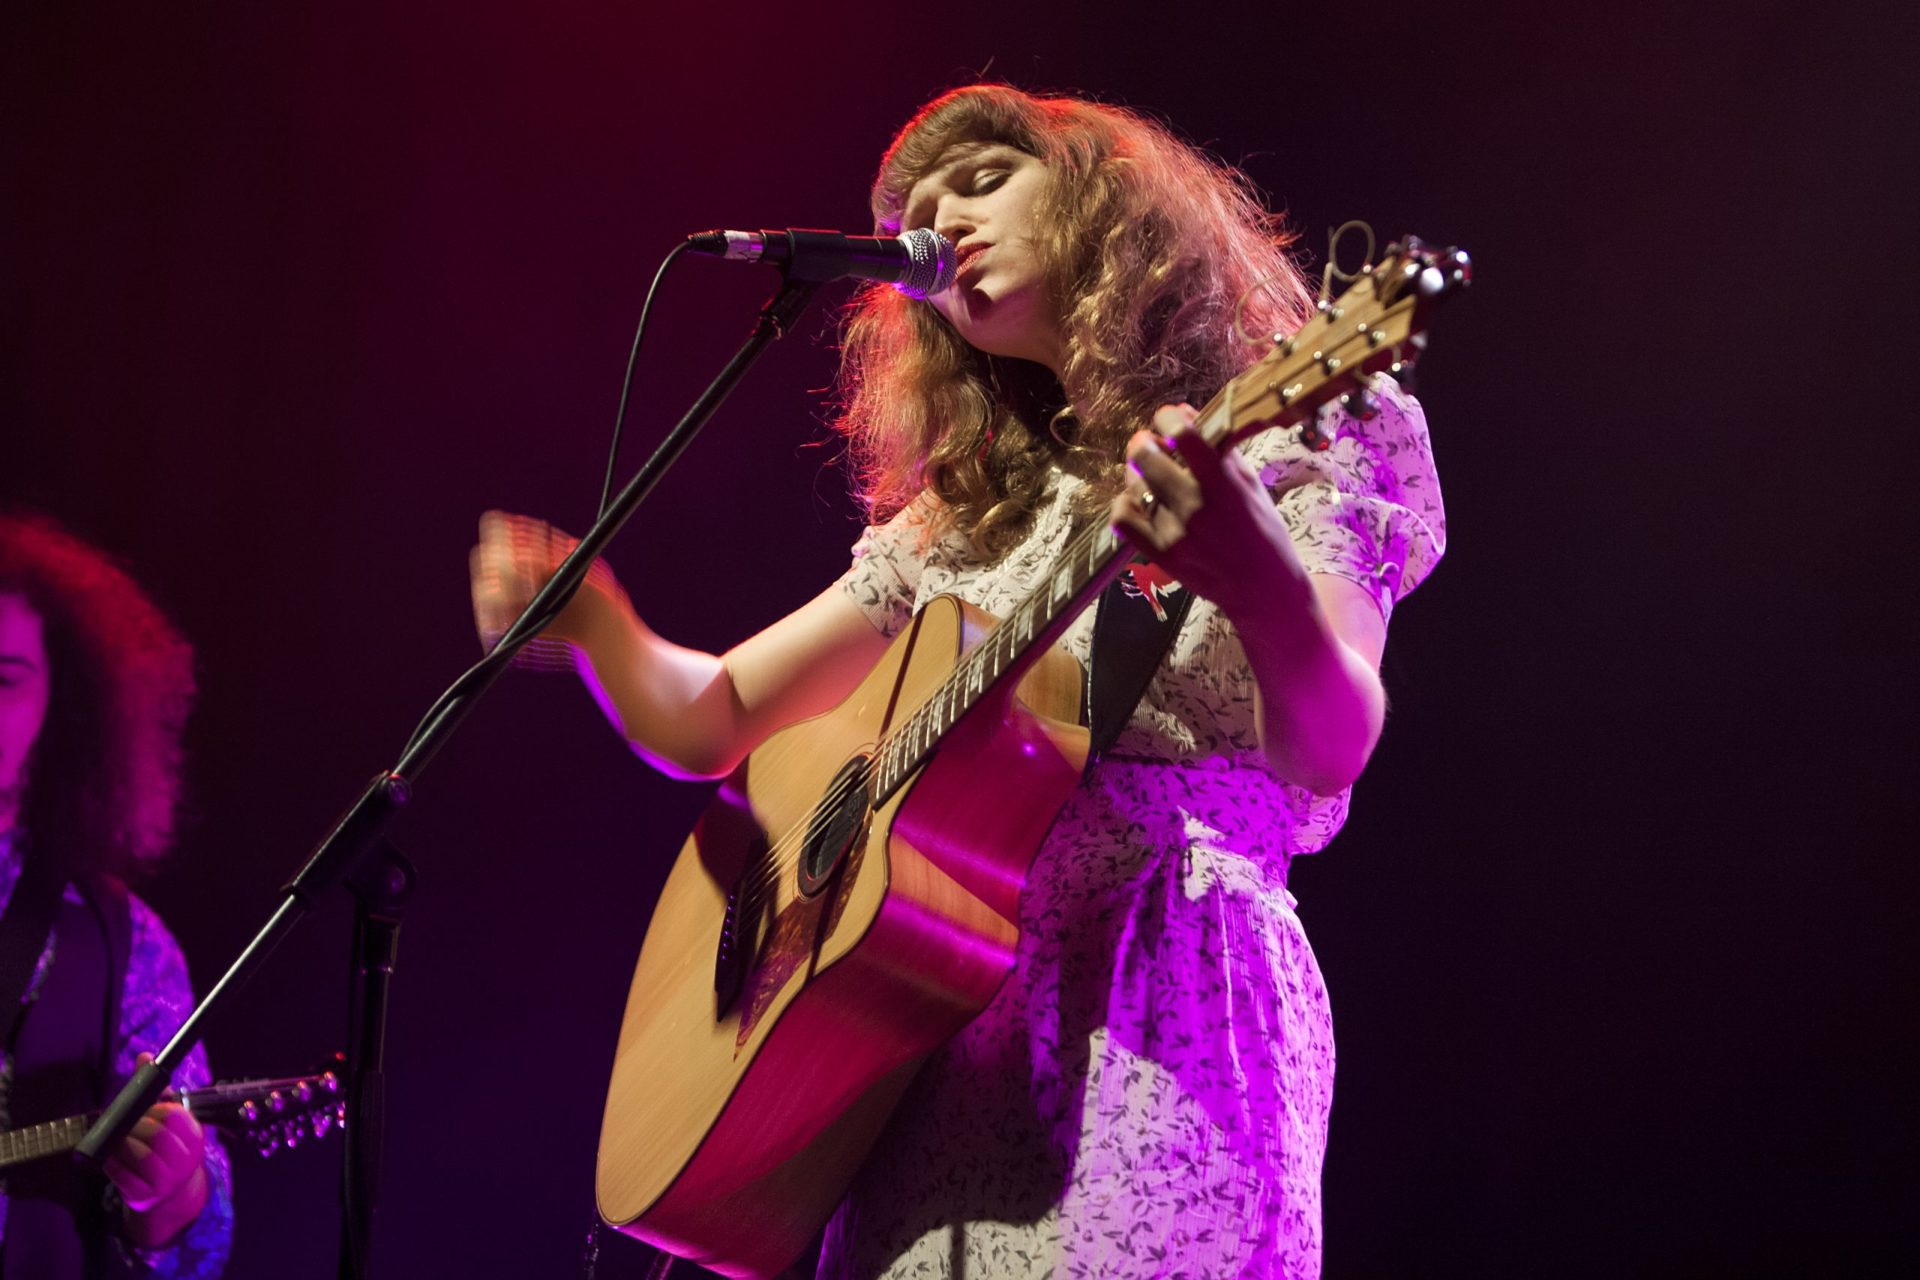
[(272, 1114), (1378, 325)]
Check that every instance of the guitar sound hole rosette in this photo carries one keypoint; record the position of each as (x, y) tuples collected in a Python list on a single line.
[(838, 822)]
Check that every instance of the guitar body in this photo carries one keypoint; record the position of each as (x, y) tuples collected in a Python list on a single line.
[(734, 1121)]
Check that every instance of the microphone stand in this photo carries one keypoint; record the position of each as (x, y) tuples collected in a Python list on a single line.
[(380, 887), (360, 832)]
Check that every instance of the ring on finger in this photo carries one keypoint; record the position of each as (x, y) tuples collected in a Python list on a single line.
[(1148, 500)]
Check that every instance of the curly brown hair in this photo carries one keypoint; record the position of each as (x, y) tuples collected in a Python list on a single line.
[(1148, 247), (104, 780)]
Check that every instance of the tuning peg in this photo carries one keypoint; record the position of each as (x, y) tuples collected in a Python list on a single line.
[(1320, 431), (1401, 370), (1361, 404), (1444, 273), (276, 1101)]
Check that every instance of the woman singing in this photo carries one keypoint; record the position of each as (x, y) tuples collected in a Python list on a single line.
[(1148, 1093)]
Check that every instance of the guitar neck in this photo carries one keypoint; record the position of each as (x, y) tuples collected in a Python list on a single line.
[(57, 1137), (271, 1112), (53, 1138), (1090, 562)]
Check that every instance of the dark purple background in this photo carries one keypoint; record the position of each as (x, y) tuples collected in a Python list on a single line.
[(1618, 932)]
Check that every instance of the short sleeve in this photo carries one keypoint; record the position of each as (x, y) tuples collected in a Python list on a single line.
[(884, 578), (1367, 508)]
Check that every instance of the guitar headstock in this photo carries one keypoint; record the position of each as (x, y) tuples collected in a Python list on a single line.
[(1378, 325), (271, 1114)]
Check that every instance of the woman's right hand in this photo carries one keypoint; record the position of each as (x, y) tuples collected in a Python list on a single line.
[(512, 561), (692, 714)]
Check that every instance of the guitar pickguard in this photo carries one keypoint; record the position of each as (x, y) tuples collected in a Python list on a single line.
[(793, 943)]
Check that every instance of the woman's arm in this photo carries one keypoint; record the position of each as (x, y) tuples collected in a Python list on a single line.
[(1313, 640), (690, 713)]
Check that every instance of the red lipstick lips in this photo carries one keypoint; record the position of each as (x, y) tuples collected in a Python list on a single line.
[(965, 256)]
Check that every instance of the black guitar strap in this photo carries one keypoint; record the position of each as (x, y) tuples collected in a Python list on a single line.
[(24, 929), (1130, 637), (1133, 627), (107, 897)]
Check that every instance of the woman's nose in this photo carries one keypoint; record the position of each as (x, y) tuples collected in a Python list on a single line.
[(951, 220)]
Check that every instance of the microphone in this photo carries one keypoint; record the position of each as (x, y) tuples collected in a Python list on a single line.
[(919, 264)]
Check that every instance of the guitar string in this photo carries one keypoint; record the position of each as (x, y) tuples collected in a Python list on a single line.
[(784, 854)]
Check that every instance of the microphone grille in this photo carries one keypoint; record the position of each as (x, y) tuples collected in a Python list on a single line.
[(931, 263)]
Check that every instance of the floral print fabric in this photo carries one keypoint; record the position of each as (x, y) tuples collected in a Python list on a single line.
[(1147, 1095)]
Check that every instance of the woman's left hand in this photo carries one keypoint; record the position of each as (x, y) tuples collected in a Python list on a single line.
[(1313, 641), (160, 1170), (1204, 518)]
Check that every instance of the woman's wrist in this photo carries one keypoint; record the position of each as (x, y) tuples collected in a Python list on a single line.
[(161, 1223), (1273, 598)]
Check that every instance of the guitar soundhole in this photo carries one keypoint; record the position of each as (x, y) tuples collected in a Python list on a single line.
[(838, 820)]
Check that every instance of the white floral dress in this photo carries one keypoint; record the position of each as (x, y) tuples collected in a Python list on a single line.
[(1147, 1095)]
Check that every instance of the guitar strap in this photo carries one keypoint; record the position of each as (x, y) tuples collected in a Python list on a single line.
[(24, 929), (1134, 625), (107, 897), (58, 1223)]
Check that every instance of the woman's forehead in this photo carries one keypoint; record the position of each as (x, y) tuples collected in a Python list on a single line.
[(952, 159)]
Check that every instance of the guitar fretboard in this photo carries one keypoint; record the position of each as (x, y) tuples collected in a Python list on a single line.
[(49, 1139), (1091, 561)]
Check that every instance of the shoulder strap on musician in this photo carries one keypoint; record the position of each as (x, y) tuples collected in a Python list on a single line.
[(1134, 626), (24, 928), (106, 895)]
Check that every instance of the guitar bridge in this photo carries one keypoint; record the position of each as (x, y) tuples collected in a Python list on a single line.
[(730, 958)]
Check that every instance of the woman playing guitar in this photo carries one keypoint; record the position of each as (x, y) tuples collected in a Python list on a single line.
[(1148, 1093)]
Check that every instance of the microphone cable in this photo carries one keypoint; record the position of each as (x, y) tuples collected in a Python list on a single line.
[(626, 383)]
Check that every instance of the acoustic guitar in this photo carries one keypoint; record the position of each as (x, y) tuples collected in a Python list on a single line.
[(849, 899)]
